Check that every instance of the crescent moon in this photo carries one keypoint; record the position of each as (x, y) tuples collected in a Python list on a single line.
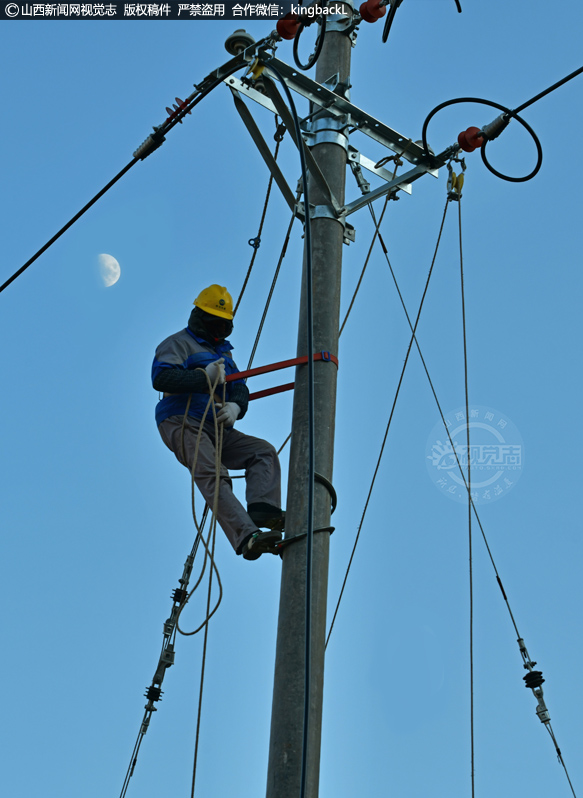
[(109, 269)]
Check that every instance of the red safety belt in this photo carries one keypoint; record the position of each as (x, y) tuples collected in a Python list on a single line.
[(283, 364)]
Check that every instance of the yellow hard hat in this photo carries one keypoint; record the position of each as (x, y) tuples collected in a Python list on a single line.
[(215, 300)]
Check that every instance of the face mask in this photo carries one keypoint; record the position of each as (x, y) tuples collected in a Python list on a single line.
[(214, 328), (219, 328)]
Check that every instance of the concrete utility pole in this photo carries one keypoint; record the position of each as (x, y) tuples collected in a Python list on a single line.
[(285, 750)]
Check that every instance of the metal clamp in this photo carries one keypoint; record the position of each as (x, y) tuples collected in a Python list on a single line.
[(327, 212), (328, 130)]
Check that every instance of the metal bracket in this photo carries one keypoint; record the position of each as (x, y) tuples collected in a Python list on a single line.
[(357, 158), (313, 168), (264, 150), (332, 115), (339, 106), (401, 182)]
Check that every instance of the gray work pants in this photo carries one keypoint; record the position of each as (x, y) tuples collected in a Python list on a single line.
[(258, 458)]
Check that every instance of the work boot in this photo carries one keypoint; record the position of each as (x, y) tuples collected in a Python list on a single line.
[(258, 543), (266, 515)]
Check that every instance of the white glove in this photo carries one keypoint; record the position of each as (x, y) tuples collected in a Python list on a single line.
[(228, 413), (216, 368)]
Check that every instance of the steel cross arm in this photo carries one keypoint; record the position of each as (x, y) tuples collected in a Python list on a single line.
[(339, 106), (399, 182), (313, 167), (240, 88), (264, 150)]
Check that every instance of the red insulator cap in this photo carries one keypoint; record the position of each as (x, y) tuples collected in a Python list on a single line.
[(287, 26), (372, 10), (470, 139)]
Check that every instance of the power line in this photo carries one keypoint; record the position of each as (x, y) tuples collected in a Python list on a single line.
[(470, 563), (413, 339), (154, 140), (72, 221)]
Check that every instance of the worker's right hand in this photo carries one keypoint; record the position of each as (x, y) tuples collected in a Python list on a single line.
[(216, 368)]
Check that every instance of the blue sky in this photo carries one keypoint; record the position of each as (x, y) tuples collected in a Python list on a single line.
[(96, 511)]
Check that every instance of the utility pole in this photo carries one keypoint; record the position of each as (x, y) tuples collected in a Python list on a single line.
[(328, 145)]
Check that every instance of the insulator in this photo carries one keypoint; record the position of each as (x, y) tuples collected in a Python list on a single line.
[(182, 104), (288, 26), (372, 10), (533, 679), (153, 693), (238, 41), (179, 595), (470, 139)]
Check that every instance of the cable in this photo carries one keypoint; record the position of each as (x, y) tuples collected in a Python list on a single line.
[(256, 242), (499, 125), (311, 431), (180, 597), (393, 6), (375, 234), (472, 754), (155, 140), (69, 223), (213, 530), (413, 339), (272, 289), (487, 164), (164, 661), (542, 712), (318, 48), (542, 94)]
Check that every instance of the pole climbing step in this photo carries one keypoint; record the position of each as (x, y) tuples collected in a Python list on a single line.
[(327, 357), (283, 544)]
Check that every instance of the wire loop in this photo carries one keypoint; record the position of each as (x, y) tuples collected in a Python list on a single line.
[(487, 164)]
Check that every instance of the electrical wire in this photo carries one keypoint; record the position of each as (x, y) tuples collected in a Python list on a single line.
[(542, 94), (72, 221), (467, 484), (507, 115), (311, 431), (272, 289), (413, 339), (157, 136), (469, 472), (255, 242), (318, 47), (175, 615), (393, 6), (369, 253)]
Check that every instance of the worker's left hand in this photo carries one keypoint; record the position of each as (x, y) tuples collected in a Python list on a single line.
[(228, 413)]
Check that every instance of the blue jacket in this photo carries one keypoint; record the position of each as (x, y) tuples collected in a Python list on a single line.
[(185, 350)]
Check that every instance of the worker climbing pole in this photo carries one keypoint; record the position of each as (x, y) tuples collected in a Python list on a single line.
[(181, 367)]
